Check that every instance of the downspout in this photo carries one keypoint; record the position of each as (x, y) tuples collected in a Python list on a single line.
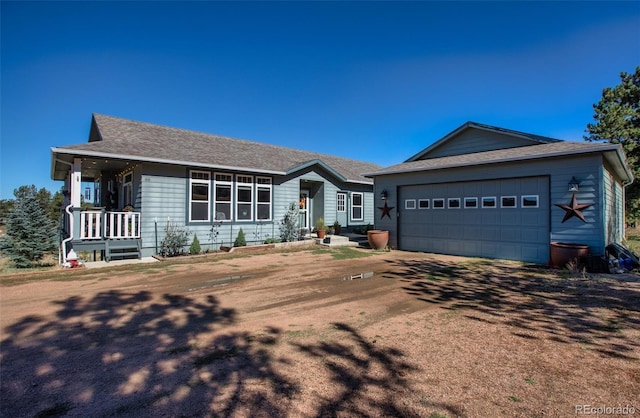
[(66, 240)]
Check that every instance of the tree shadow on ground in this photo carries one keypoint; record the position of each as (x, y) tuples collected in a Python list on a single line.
[(129, 354), (533, 300), (367, 380)]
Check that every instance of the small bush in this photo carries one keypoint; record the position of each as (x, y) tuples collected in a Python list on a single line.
[(195, 245), (240, 239), (271, 241), (289, 227), (175, 239)]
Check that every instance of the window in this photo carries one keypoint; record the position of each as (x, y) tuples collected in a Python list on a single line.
[(438, 203), (244, 198), (454, 203), (423, 204), (127, 189), (508, 202), (263, 201), (341, 202), (470, 202), (529, 201), (356, 206), (222, 204), (410, 204), (489, 202), (199, 200)]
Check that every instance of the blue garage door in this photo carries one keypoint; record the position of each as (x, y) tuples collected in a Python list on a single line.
[(505, 219)]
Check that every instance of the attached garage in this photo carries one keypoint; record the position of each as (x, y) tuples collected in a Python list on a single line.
[(490, 192)]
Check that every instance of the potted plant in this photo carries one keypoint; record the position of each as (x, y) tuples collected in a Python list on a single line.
[(337, 227), (321, 228)]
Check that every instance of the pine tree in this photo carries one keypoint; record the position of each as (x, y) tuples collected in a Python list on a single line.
[(195, 245), (30, 232), (240, 239)]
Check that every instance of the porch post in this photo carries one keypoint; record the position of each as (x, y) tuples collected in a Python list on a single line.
[(76, 178)]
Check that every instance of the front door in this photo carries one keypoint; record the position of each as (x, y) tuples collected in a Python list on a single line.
[(341, 208), (305, 209)]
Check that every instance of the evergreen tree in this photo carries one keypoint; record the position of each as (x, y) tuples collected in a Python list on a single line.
[(240, 239), (195, 245), (30, 232), (289, 227), (617, 120)]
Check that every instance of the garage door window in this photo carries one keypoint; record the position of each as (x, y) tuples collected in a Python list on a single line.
[(508, 202), (410, 204), (438, 203), (454, 203), (423, 204), (529, 201), (470, 202), (489, 202)]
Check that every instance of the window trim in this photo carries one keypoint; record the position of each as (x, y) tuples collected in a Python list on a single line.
[(439, 200), (341, 203), (493, 198), (515, 202), (251, 203), (524, 196), (420, 201), (268, 186), (361, 206), (454, 199), (470, 199), (206, 182), (229, 183), (410, 204)]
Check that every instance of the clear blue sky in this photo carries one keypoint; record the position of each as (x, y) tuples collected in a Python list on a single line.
[(372, 81)]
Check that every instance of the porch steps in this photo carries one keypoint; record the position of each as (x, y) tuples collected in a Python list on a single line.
[(336, 241), (122, 249)]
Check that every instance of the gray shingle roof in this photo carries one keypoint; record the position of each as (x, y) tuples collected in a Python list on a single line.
[(554, 149), (123, 138)]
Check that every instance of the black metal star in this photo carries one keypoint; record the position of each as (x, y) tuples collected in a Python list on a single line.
[(574, 209), (386, 210)]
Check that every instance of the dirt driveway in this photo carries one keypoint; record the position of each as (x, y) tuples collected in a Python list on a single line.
[(291, 334)]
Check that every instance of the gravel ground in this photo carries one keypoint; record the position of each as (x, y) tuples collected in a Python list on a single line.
[(292, 334)]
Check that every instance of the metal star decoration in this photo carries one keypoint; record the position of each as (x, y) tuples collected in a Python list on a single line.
[(574, 209), (386, 210)]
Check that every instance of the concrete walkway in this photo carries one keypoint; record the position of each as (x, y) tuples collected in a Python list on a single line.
[(114, 263)]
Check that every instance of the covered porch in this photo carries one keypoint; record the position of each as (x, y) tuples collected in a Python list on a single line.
[(106, 221)]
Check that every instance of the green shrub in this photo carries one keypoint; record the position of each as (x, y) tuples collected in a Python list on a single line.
[(240, 239), (195, 245), (289, 227), (175, 239)]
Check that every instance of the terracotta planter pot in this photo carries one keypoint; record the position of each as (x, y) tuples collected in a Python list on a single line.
[(563, 253), (321, 233), (378, 239)]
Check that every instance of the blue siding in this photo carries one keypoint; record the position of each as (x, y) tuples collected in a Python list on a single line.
[(476, 140)]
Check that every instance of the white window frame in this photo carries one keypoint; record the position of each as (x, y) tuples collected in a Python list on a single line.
[(410, 204), (438, 199), (244, 185), (453, 199), (264, 183), (127, 189), (341, 202), (471, 199), (361, 206), (515, 202), (223, 183), (529, 196), (206, 181), (421, 201), (493, 198)]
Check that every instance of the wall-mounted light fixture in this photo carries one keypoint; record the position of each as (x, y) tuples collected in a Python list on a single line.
[(383, 195), (573, 184)]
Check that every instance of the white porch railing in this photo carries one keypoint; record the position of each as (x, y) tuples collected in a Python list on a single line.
[(96, 224)]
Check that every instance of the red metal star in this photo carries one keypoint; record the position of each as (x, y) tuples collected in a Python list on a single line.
[(574, 209), (386, 210)]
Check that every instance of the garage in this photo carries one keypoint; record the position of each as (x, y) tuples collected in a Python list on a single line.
[(506, 218), (484, 191)]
